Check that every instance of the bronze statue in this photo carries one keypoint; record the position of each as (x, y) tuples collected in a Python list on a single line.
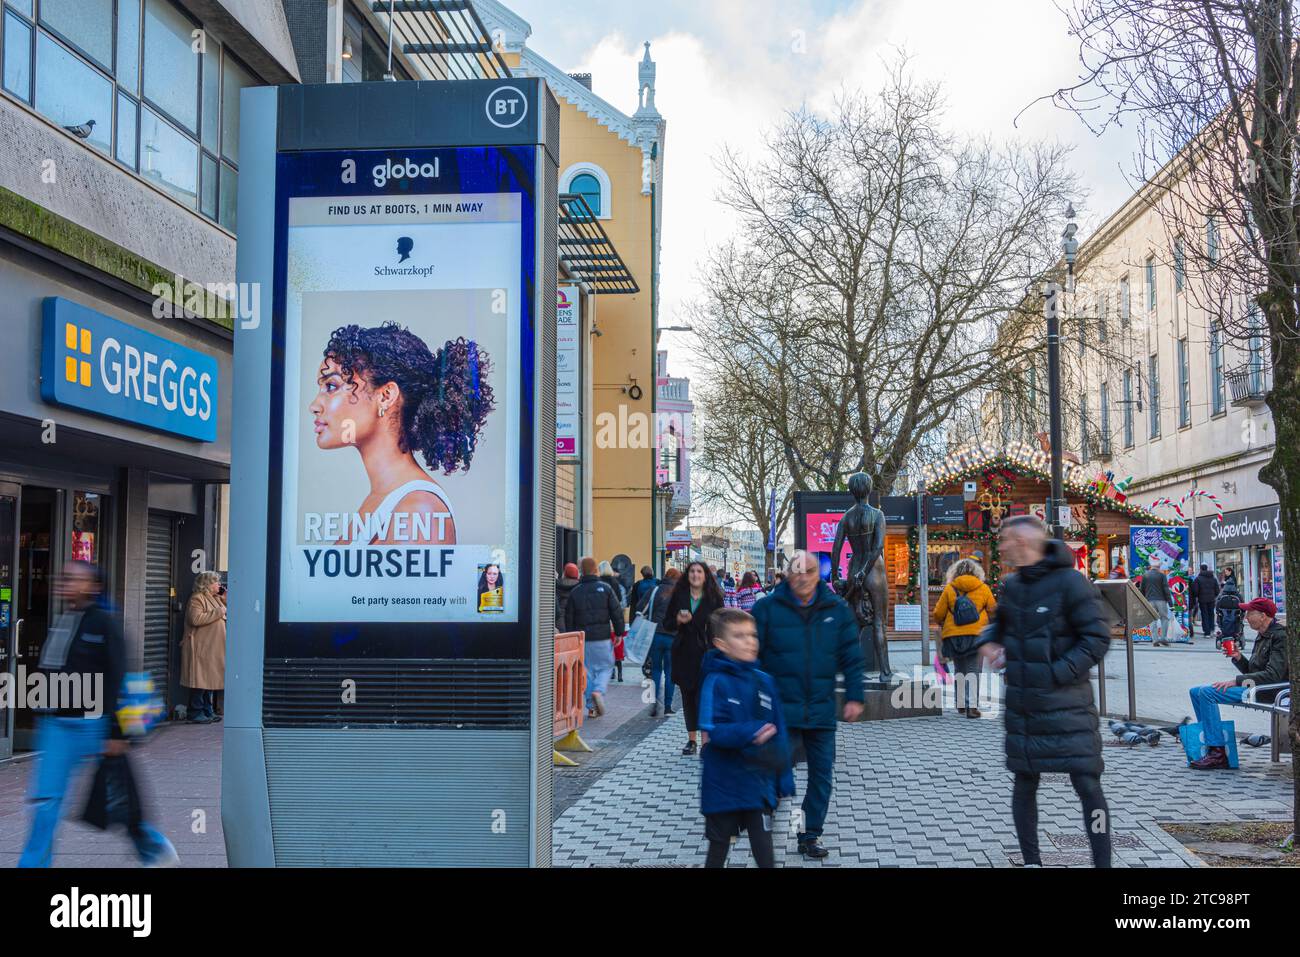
[(863, 527)]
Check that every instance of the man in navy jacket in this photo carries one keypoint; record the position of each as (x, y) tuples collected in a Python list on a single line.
[(807, 635)]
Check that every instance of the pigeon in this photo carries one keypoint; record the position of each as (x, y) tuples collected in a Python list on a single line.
[(1130, 732), (81, 130), (1257, 740)]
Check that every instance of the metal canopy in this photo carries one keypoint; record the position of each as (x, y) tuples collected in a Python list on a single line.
[(587, 254), (445, 38)]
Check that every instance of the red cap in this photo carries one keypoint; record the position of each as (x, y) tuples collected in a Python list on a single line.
[(1266, 605), (571, 571)]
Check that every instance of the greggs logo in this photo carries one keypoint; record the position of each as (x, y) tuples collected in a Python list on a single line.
[(101, 365), (78, 341)]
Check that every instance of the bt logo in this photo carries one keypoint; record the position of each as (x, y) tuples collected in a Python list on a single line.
[(506, 107)]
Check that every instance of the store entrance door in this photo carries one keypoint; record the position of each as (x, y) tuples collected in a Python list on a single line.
[(9, 498), (37, 563)]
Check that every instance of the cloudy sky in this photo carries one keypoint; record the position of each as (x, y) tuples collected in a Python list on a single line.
[(728, 69)]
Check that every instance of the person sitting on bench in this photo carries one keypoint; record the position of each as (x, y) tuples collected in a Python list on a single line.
[(1267, 665)]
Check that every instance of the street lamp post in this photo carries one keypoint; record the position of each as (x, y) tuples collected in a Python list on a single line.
[(1051, 308)]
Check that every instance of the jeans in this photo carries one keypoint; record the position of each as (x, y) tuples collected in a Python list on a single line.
[(64, 743), (200, 703), (819, 746), (1096, 815), (598, 658), (1205, 702), (661, 668), (1207, 618), (1160, 627)]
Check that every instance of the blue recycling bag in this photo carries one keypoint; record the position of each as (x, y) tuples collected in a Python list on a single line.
[(1193, 741)]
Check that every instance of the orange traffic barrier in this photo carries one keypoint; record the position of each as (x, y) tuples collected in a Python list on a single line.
[(570, 694)]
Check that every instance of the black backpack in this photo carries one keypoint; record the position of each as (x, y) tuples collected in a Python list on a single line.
[(964, 611)]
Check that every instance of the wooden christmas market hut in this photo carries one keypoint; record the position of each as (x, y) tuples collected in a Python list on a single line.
[(981, 487)]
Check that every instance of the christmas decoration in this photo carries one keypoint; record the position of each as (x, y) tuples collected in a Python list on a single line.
[(1208, 496), (1169, 503)]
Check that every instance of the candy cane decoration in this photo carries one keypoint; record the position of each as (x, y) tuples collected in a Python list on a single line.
[(1169, 503), (1208, 496)]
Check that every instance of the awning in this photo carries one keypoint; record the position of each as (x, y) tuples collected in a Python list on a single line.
[(444, 38), (586, 253)]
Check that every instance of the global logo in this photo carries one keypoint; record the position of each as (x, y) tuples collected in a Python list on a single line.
[(506, 107), (404, 169)]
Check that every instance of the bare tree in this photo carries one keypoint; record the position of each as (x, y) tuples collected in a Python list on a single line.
[(1214, 87), (741, 460), (862, 308)]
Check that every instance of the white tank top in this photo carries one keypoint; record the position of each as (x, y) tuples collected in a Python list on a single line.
[(382, 516)]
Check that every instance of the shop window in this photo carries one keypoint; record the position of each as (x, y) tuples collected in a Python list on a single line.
[(229, 194), (127, 121), (171, 69), (211, 95), (233, 79), (18, 58), (86, 545), (170, 160), (73, 94), (128, 45), (86, 24), (208, 180)]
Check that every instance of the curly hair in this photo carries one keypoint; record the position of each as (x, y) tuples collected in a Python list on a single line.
[(446, 396)]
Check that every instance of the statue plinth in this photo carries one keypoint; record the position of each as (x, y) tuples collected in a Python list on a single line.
[(899, 697)]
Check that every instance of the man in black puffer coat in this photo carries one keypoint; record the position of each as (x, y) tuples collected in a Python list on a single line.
[(1049, 633)]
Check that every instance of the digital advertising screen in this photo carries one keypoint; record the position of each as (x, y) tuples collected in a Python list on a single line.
[(401, 405)]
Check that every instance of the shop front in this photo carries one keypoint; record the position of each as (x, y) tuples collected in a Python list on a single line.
[(116, 445), (1247, 542)]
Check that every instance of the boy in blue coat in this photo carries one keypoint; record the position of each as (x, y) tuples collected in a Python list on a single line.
[(746, 766)]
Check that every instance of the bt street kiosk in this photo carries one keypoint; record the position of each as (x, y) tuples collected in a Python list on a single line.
[(388, 701)]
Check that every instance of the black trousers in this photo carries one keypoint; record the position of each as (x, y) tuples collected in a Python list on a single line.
[(691, 707), (1096, 815), (720, 828)]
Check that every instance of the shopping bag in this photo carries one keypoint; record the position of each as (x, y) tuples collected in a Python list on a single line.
[(636, 646), (139, 706), (113, 796), (1193, 741)]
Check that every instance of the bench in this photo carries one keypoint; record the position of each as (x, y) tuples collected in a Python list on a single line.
[(1279, 711)]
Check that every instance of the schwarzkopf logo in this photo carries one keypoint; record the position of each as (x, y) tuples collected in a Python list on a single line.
[(405, 246)]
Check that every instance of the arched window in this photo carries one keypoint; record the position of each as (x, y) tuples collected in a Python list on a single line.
[(588, 187)]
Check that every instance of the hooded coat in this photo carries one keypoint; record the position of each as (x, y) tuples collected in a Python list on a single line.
[(803, 647), (974, 589), (736, 700), (1049, 619)]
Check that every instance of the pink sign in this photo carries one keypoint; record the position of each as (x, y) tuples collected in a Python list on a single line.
[(821, 528), (566, 446)]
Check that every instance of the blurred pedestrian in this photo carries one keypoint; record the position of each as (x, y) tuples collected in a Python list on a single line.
[(595, 609), (661, 648), (640, 591), (1203, 595), (203, 647), (962, 612), (1048, 634), (745, 767), (1155, 586), (610, 578), (807, 635), (1228, 607), (695, 598), (563, 586), (748, 592), (83, 649)]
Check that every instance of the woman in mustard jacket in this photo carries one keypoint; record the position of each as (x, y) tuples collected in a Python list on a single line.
[(964, 610)]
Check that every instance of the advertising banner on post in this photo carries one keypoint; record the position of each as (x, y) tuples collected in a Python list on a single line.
[(401, 397)]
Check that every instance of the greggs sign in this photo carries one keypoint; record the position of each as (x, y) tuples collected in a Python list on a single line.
[(92, 362)]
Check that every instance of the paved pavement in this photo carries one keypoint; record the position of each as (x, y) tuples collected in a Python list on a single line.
[(917, 792), (179, 773)]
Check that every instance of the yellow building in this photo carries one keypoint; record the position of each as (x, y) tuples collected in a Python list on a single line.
[(615, 162)]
